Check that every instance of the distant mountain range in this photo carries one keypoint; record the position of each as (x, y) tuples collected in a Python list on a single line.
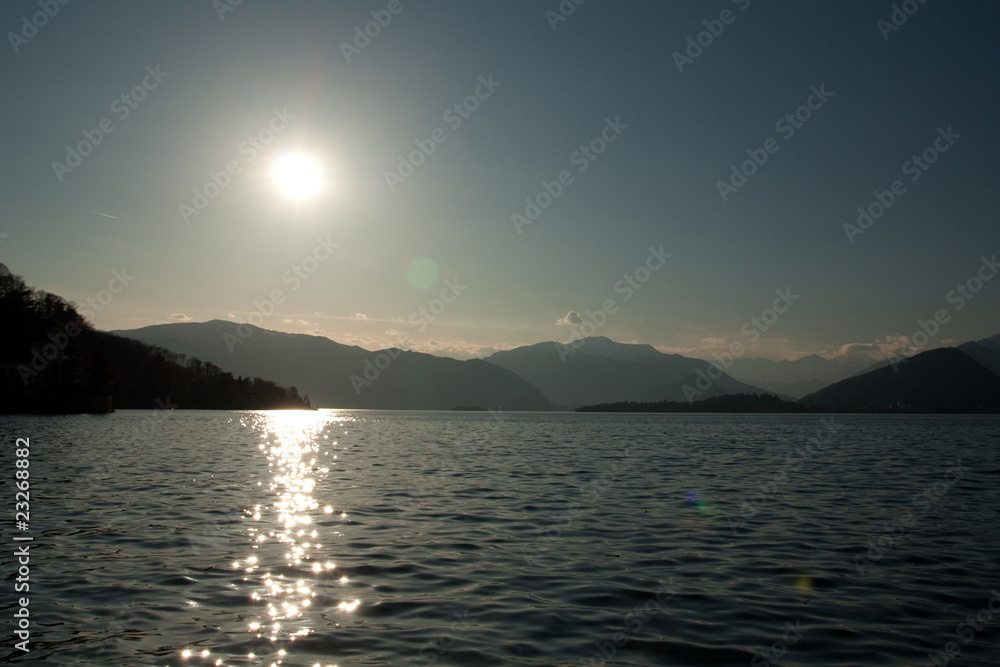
[(345, 376), (802, 376), (545, 376), (53, 360), (945, 380), (599, 370), (552, 376)]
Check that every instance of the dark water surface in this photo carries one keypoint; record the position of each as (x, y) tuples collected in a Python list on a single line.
[(401, 538)]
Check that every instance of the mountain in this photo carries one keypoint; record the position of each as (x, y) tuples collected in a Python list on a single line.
[(942, 380), (599, 370), (985, 351), (53, 361), (345, 376), (802, 376), (992, 343)]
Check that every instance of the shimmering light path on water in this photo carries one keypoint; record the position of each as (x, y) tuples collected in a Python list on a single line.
[(380, 538)]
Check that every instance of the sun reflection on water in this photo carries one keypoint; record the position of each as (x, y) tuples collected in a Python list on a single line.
[(286, 566)]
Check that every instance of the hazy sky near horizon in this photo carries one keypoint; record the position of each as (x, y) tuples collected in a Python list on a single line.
[(641, 138)]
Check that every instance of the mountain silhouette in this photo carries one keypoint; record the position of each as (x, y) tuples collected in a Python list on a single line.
[(346, 376), (802, 376), (941, 380), (53, 361), (985, 351), (599, 370)]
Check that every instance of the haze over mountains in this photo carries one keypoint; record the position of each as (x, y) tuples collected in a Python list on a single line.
[(801, 376)]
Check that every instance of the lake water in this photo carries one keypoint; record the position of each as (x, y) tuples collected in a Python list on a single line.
[(405, 538)]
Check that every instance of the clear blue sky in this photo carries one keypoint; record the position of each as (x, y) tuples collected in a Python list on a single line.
[(550, 92)]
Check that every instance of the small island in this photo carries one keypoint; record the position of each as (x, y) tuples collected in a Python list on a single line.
[(734, 403)]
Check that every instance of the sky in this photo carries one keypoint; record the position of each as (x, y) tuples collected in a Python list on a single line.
[(495, 173)]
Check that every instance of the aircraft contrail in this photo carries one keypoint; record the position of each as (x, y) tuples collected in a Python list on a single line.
[(104, 214)]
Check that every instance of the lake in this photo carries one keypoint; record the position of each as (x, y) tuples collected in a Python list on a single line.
[(467, 538)]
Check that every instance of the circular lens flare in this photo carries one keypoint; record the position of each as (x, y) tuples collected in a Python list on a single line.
[(422, 273)]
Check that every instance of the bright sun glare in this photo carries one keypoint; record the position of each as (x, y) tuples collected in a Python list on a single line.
[(297, 176)]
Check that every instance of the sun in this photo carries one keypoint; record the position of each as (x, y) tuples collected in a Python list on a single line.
[(297, 176)]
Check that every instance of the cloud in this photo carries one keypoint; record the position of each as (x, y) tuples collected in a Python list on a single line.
[(866, 349), (879, 349), (317, 332), (572, 317), (360, 316), (180, 317)]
